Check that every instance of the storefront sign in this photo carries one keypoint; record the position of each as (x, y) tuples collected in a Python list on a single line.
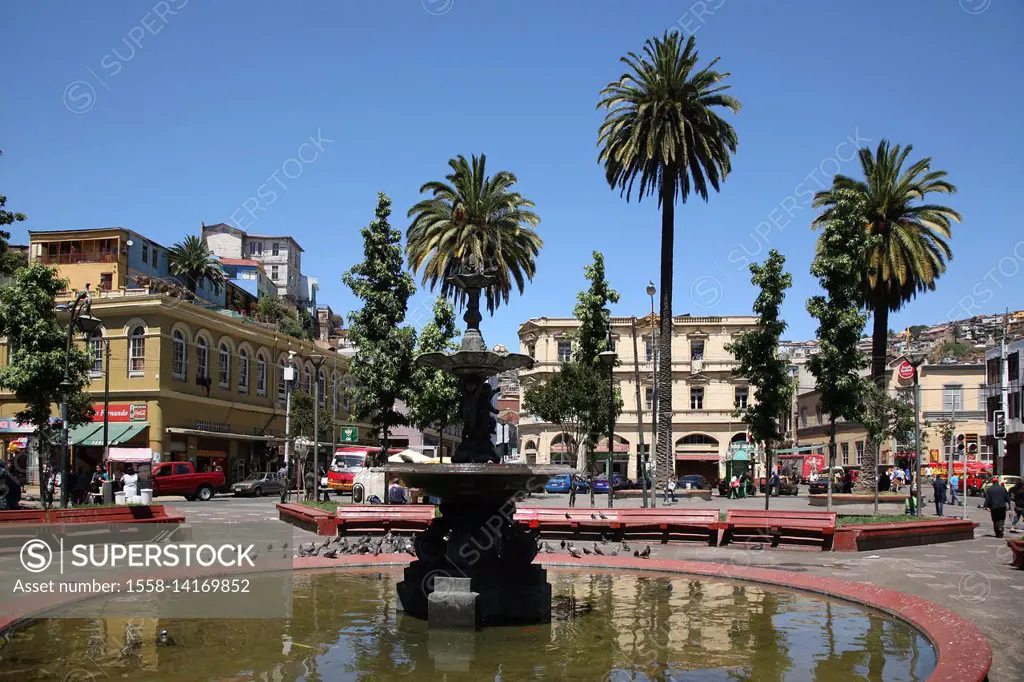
[(348, 434), (122, 412), (15, 426), (906, 371)]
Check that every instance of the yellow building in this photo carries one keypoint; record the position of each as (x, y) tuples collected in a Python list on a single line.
[(704, 393), (190, 383), (948, 391)]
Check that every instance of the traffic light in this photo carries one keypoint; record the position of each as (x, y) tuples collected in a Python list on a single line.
[(999, 423), (961, 443)]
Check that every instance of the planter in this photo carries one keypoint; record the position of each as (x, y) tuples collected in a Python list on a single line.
[(839, 499), (311, 519), (872, 536)]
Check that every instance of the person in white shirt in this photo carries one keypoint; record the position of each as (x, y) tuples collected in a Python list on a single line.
[(130, 483)]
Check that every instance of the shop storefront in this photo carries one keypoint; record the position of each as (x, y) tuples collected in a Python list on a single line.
[(20, 449), (126, 428)]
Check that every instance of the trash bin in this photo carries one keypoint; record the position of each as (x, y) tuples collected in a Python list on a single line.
[(147, 496), (119, 497), (108, 492)]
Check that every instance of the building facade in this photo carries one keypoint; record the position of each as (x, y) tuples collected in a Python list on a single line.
[(248, 275), (947, 391), (189, 383), (705, 393), (280, 256), (1013, 454)]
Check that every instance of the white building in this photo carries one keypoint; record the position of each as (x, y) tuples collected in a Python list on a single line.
[(281, 257)]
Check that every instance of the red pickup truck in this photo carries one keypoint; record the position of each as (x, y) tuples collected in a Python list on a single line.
[(180, 478)]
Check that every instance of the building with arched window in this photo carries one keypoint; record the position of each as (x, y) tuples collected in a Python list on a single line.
[(705, 393), (190, 383)]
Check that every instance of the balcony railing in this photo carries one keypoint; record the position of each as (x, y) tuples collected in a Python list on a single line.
[(74, 258)]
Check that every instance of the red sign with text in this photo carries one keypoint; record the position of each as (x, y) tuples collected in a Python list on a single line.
[(906, 370), (122, 413)]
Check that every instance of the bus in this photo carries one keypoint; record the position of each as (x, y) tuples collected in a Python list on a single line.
[(347, 462)]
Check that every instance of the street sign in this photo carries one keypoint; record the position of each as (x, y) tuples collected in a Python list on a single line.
[(349, 434), (906, 370), (999, 423)]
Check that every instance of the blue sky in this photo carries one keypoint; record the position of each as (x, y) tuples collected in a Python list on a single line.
[(158, 115)]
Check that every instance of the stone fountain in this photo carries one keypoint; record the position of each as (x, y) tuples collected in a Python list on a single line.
[(474, 564)]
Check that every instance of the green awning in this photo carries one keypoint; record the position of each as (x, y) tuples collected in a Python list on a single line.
[(79, 433), (116, 433)]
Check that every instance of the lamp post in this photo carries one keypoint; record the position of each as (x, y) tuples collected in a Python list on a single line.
[(287, 377), (608, 359), (83, 320), (106, 401), (650, 468), (916, 361), (318, 360)]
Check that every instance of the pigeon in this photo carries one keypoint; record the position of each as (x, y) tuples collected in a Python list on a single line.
[(568, 516), (594, 516), (546, 548), (562, 543), (602, 516), (164, 639), (574, 552), (625, 547), (331, 553), (646, 553), (586, 551), (614, 552), (597, 550), (315, 551), (326, 542), (270, 546), (410, 550)]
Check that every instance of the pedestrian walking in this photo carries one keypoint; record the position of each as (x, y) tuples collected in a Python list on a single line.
[(1018, 506), (954, 484), (939, 486), (741, 486), (572, 490), (734, 488), (997, 499)]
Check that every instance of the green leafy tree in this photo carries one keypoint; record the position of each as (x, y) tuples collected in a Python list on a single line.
[(837, 365), (662, 127), (9, 262), (575, 399), (301, 420), (193, 261), (37, 354), (884, 417), (592, 311), (435, 399), (759, 361), (382, 366), (909, 251), (474, 219), (271, 309)]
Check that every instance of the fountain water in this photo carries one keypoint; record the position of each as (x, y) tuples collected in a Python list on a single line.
[(474, 564)]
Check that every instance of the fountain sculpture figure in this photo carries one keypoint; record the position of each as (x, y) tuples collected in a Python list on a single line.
[(474, 564)]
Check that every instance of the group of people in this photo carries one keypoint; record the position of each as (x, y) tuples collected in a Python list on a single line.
[(894, 479)]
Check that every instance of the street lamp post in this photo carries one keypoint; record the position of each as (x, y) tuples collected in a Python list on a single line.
[(83, 320), (916, 361), (650, 468), (608, 359), (106, 401), (318, 361), (287, 377)]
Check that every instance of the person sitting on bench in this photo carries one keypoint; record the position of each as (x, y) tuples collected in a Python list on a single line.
[(396, 493)]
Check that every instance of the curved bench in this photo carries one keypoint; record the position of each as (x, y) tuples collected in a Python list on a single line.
[(778, 527)]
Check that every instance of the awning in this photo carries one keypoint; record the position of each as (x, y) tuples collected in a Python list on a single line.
[(116, 433), (696, 456), (77, 434), (135, 455), (220, 434)]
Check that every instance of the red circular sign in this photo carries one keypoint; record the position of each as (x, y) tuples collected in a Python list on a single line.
[(906, 370)]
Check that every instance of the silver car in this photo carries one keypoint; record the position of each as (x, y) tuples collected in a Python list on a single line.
[(259, 483)]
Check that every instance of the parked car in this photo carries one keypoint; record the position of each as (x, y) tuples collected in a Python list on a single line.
[(976, 483), (619, 482), (1009, 482), (561, 483), (693, 481), (180, 478), (258, 484), (819, 486)]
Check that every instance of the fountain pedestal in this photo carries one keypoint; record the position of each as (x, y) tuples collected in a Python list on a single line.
[(474, 564)]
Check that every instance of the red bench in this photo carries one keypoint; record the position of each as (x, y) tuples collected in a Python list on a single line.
[(155, 513), (1017, 547), (682, 524), (371, 518), (776, 527)]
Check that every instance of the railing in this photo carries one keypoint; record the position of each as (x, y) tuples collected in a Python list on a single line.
[(73, 258)]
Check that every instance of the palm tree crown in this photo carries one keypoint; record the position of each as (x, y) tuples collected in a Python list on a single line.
[(475, 219), (193, 261), (661, 126), (907, 247)]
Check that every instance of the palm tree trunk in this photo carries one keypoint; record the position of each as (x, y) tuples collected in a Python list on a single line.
[(879, 336), (666, 467)]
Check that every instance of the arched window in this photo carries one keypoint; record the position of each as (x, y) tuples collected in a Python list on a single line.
[(322, 387), (697, 439), (202, 358), (261, 375), (307, 383), (243, 371), (180, 356), (137, 352), (282, 386), (225, 366), (96, 353)]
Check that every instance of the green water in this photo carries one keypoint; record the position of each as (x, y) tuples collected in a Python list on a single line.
[(611, 626)]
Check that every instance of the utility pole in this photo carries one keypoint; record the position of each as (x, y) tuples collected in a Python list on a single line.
[(1003, 399), (106, 401)]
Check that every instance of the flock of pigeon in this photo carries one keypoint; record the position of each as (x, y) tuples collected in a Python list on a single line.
[(603, 548), (338, 546)]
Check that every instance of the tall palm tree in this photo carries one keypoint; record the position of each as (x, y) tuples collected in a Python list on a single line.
[(662, 127), (473, 218), (907, 238), (193, 262)]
